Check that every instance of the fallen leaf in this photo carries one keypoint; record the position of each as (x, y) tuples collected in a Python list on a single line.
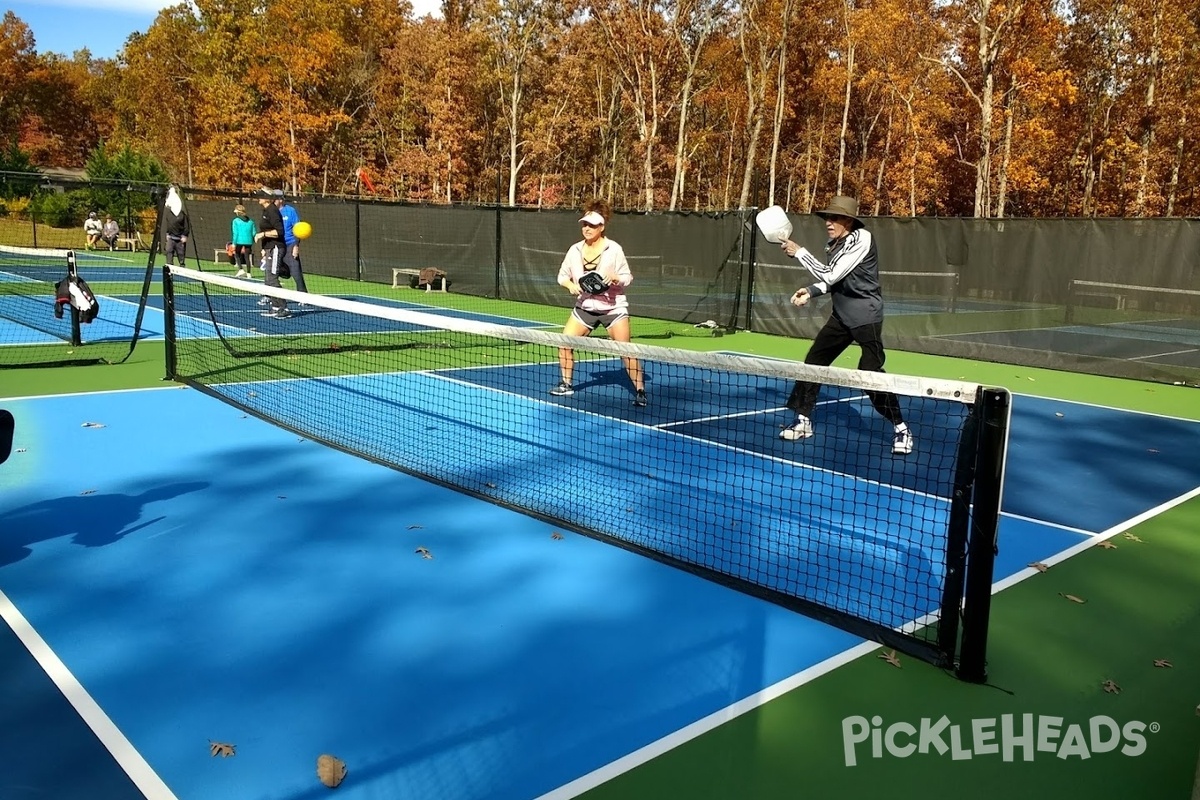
[(300, 440), (1072, 598), (223, 749), (93, 425), (1059, 414), (424, 552), (88, 491), (20, 449), (890, 657), (1131, 537), (1107, 545), (1151, 450), (281, 497), (556, 536), (1162, 662), (415, 527), (331, 770), (1111, 687), (1039, 566)]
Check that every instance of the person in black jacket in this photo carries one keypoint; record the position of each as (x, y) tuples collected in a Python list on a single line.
[(176, 228), (852, 277), (274, 249)]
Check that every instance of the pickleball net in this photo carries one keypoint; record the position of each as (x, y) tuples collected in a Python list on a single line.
[(835, 526), (32, 333)]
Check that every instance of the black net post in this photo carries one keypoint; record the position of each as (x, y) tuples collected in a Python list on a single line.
[(996, 406), (172, 355), (72, 276)]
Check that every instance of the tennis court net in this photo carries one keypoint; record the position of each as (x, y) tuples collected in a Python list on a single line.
[(36, 330), (834, 526)]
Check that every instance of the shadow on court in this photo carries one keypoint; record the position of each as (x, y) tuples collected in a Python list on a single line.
[(92, 520)]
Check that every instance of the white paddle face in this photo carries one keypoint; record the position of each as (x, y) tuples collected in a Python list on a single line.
[(774, 224)]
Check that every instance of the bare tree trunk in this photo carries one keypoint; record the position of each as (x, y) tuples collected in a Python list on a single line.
[(1140, 202), (1176, 164), (845, 108), (1006, 157)]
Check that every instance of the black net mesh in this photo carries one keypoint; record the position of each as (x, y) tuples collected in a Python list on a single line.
[(837, 524)]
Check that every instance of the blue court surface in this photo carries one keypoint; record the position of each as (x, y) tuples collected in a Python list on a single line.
[(188, 574), (237, 316)]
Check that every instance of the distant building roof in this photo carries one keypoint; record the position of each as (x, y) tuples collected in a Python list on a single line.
[(65, 173)]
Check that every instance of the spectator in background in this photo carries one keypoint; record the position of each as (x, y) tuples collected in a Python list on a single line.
[(290, 217), (93, 230), (242, 235), (111, 231), (177, 228)]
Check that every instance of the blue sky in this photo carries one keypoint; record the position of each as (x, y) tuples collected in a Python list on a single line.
[(102, 26)]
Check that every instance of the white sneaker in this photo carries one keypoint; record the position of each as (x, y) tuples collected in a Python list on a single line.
[(800, 429), (241, 273), (902, 445)]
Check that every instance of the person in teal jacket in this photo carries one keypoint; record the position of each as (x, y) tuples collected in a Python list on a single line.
[(242, 236)]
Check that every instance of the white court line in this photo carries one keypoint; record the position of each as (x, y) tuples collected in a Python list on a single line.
[(129, 759)]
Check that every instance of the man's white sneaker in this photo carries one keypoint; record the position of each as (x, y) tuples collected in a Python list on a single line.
[(902, 445), (800, 429)]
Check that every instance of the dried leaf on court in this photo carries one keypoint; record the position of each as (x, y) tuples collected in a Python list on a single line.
[(1107, 545), (21, 450), (281, 497), (1072, 598), (93, 425), (423, 552), (88, 491), (1131, 537), (331, 770), (556, 536), (1151, 450), (1059, 414), (1162, 662), (890, 657), (1039, 566), (415, 527), (1111, 687), (222, 749)]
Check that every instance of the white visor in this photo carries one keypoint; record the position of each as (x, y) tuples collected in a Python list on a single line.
[(592, 218)]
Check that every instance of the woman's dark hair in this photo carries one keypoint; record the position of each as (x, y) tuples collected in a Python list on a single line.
[(601, 207)]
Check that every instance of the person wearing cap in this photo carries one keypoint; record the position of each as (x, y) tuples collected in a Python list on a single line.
[(270, 237), (291, 242), (93, 229), (851, 276), (596, 272)]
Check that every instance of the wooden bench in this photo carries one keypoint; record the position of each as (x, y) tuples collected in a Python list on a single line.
[(413, 273)]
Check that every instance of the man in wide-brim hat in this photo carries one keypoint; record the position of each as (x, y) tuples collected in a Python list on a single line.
[(852, 277)]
